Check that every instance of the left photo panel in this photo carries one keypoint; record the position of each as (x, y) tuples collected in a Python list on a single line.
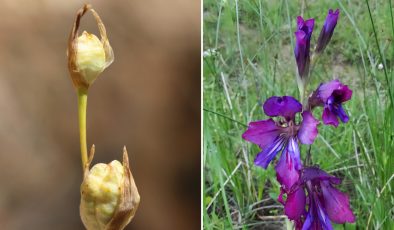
[(100, 122)]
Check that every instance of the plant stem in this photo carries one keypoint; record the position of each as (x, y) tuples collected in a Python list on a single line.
[(82, 105)]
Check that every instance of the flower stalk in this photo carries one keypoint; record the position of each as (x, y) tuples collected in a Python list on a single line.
[(82, 95)]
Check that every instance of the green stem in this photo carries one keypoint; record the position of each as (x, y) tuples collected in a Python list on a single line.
[(82, 105)]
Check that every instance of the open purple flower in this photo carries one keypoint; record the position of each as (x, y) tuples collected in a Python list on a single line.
[(325, 202), (331, 95), (273, 136), (302, 46), (327, 30)]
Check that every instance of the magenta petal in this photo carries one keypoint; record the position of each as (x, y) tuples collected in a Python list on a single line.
[(314, 174), (308, 130), (329, 118), (285, 106), (262, 133), (342, 94), (287, 169), (295, 204), (336, 204)]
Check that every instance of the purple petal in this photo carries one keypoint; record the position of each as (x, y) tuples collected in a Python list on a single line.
[(302, 46), (301, 53), (340, 112), (331, 20), (308, 130), (329, 118), (311, 220), (327, 30), (285, 106), (265, 157), (262, 133), (323, 217), (306, 26), (325, 90), (287, 169), (336, 204), (295, 204), (315, 174)]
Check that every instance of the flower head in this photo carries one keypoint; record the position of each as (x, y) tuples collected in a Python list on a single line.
[(109, 196), (303, 40), (331, 95), (283, 135), (87, 55), (327, 30), (325, 202)]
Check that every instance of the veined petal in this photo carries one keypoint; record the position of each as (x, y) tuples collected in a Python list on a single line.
[(265, 157), (336, 204), (289, 165), (285, 106), (308, 130), (262, 133), (323, 217), (295, 204), (310, 218)]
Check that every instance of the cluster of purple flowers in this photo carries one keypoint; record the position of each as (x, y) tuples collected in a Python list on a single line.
[(312, 200)]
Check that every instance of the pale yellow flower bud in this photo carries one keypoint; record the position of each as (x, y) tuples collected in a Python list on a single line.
[(87, 55), (109, 196), (90, 57)]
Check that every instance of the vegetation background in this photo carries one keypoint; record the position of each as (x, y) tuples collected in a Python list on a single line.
[(148, 100), (248, 57)]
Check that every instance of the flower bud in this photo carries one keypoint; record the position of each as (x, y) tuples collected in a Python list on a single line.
[(87, 55), (109, 196)]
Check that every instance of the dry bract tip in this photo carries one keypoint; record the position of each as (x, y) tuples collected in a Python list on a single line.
[(88, 56)]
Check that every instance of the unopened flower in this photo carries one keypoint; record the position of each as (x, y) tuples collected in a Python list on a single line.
[(109, 196), (331, 95), (87, 55), (327, 30), (302, 46), (284, 135), (325, 202)]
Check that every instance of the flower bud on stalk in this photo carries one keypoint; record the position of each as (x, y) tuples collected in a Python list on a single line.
[(109, 196), (87, 55)]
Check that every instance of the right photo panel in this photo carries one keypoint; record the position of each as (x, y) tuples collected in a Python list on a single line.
[(298, 121)]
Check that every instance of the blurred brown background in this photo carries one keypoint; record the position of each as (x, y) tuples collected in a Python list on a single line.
[(148, 100)]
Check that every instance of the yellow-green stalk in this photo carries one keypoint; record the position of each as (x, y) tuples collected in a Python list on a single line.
[(109, 196)]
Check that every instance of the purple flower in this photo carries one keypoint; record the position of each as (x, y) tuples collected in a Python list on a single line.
[(274, 136), (325, 202), (331, 95), (303, 42), (327, 30)]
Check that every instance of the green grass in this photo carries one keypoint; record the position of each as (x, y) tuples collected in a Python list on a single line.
[(254, 60)]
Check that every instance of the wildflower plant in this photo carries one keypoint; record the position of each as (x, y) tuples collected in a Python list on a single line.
[(312, 201), (109, 195)]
